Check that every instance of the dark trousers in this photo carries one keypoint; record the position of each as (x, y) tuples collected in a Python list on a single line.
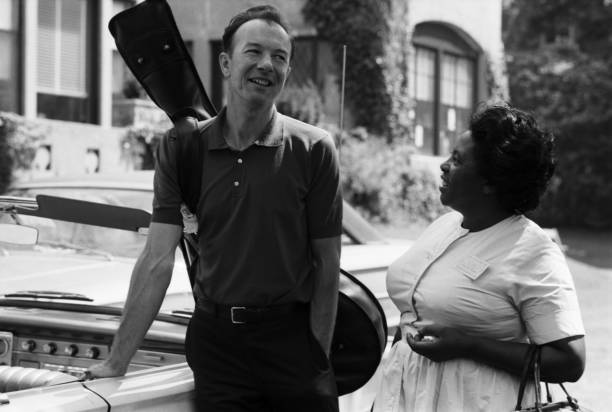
[(272, 366)]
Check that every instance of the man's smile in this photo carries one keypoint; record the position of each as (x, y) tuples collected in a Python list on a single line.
[(261, 82)]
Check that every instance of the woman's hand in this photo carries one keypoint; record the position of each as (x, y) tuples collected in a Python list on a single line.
[(439, 343)]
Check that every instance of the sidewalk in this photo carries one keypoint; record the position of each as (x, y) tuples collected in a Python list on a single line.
[(589, 256)]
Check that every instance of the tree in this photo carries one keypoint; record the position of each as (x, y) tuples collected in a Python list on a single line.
[(558, 68)]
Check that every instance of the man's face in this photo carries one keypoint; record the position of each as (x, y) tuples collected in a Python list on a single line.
[(258, 63)]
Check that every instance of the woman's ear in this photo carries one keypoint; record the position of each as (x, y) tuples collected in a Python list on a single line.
[(224, 64)]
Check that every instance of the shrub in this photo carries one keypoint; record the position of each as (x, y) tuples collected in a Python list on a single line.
[(139, 144), (301, 102), (19, 139), (378, 179), (567, 84)]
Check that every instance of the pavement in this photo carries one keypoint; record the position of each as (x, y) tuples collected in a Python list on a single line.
[(589, 255)]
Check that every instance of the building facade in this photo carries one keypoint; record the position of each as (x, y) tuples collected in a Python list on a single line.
[(60, 63)]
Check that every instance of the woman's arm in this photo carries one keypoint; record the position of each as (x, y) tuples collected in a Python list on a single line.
[(562, 360)]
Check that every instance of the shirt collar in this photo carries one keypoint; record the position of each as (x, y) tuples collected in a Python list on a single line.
[(272, 136)]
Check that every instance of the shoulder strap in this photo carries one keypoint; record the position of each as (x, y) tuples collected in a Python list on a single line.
[(528, 366), (189, 166), (190, 159)]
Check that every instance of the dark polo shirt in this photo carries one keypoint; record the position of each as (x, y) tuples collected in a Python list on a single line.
[(258, 210)]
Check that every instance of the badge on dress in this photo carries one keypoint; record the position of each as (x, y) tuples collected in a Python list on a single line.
[(473, 267)]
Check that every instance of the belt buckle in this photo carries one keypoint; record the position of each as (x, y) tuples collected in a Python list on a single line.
[(232, 309)]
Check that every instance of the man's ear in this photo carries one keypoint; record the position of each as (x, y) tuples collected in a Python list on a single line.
[(224, 63)]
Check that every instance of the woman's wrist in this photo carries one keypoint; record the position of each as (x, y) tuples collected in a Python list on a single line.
[(468, 346)]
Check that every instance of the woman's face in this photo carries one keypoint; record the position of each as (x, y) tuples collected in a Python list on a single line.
[(461, 185)]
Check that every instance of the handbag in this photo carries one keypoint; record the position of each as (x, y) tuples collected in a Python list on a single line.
[(533, 365)]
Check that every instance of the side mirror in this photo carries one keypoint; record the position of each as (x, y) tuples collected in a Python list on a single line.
[(17, 234)]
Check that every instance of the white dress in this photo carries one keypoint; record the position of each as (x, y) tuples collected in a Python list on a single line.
[(509, 282)]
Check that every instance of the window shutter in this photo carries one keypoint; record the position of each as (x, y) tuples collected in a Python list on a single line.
[(72, 38), (46, 43), (61, 47)]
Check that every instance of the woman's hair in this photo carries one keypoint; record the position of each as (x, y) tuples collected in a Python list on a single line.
[(513, 154)]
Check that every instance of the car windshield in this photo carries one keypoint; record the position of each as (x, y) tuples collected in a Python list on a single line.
[(89, 255)]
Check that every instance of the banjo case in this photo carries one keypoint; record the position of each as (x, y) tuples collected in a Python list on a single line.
[(148, 39)]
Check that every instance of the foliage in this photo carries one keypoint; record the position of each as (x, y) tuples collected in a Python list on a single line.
[(301, 102), (362, 26), (139, 145), (378, 179), (19, 139), (399, 52), (559, 68)]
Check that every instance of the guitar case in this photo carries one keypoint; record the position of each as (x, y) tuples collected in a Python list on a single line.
[(148, 39)]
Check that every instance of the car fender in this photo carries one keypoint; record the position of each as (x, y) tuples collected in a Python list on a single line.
[(72, 397), (165, 388)]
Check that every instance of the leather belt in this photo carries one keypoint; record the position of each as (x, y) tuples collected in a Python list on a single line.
[(249, 314)]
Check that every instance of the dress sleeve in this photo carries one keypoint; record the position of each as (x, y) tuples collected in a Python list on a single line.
[(547, 298), (324, 199), (166, 191)]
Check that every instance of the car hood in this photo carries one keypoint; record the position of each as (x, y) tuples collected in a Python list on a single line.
[(105, 281), (378, 256)]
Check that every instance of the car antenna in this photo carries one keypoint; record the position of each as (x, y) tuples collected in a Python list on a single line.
[(341, 123)]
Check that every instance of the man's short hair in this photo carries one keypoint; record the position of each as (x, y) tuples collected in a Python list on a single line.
[(265, 12)]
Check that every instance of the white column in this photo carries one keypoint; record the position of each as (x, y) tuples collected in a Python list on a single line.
[(30, 50), (106, 65)]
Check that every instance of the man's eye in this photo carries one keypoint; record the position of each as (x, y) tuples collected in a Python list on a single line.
[(280, 57), (252, 51)]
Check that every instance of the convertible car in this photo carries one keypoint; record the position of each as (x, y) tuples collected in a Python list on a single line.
[(67, 248)]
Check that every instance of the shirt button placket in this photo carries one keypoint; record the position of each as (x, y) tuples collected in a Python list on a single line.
[(239, 174)]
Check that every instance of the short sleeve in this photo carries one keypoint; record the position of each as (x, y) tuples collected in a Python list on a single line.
[(324, 198), (166, 191), (547, 298)]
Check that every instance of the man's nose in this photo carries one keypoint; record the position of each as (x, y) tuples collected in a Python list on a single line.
[(265, 62)]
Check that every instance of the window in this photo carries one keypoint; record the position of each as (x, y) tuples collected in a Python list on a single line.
[(61, 47), (64, 53), (444, 74), (457, 97), (9, 50), (425, 93), (304, 62), (122, 76)]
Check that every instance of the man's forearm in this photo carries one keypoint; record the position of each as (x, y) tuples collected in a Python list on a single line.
[(324, 303), (323, 308)]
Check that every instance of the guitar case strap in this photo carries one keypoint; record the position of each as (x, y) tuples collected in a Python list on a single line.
[(149, 41)]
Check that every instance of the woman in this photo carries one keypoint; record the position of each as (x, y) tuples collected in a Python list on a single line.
[(483, 281)]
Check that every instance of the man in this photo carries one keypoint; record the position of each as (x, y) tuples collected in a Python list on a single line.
[(269, 218)]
